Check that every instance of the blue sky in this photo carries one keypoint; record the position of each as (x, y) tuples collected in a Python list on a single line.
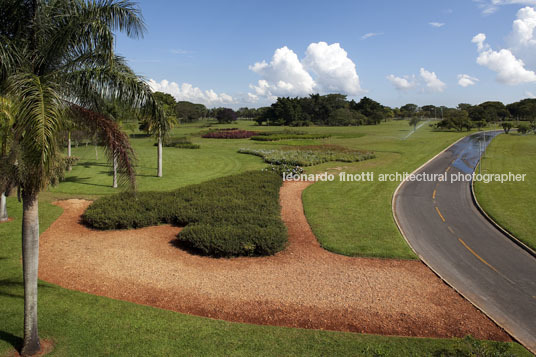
[(207, 51)]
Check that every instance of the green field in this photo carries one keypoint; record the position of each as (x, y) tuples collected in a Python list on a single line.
[(352, 218), (85, 325), (511, 204), (355, 218), (82, 324)]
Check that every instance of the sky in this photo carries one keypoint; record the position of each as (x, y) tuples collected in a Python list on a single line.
[(247, 53)]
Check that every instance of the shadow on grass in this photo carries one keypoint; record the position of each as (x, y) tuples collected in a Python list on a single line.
[(13, 340), (89, 164), (7, 285), (80, 180)]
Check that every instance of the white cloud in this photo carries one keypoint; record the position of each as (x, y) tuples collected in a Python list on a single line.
[(479, 40), (529, 94), (466, 80), (490, 6), (431, 80), (371, 34), (180, 51), (436, 24), (335, 72), (523, 27), (286, 75), (283, 76), (188, 92), (402, 83), (510, 69)]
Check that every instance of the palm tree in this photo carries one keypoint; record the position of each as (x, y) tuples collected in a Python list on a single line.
[(57, 61), (160, 124)]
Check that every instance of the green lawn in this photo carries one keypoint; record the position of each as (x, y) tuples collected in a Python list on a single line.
[(354, 219), (511, 204), (348, 218), (86, 325)]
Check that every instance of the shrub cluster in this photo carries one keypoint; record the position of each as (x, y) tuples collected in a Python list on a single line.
[(308, 156), (180, 143), (288, 170), (231, 216), (277, 137), (229, 134)]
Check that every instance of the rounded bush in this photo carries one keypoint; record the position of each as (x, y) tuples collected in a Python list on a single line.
[(229, 216), (231, 240)]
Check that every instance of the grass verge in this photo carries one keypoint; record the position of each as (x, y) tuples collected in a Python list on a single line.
[(86, 325), (511, 204)]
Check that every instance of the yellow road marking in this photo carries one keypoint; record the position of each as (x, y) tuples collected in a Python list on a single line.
[(433, 196), (440, 215), (478, 256), (451, 230), (448, 168)]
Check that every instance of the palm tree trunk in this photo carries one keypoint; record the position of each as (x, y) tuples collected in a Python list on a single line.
[(69, 167), (159, 174), (3, 207), (30, 262), (115, 171)]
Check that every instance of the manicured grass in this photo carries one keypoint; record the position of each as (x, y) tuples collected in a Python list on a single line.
[(82, 324), (355, 218), (511, 204), (215, 158), (86, 325), (348, 218)]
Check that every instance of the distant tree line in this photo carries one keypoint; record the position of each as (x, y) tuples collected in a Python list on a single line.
[(467, 116), (330, 109), (336, 110)]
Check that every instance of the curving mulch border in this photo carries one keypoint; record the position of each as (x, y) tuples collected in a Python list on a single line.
[(302, 286)]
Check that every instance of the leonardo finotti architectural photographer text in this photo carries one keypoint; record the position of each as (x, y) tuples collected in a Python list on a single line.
[(419, 177)]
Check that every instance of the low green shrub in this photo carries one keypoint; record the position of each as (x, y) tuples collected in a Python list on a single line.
[(229, 134), (309, 155), (246, 239), (285, 169), (278, 137), (229, 216), (180, 143)]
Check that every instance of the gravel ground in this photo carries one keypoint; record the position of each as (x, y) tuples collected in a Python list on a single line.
[(302, 286)]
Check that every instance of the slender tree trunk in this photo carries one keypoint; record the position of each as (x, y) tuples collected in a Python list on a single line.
[(159, 174), (115, 171), (30, 262), (96, 152), (69, 167), (3, 207)]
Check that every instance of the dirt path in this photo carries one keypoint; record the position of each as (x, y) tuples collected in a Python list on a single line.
[(303, 286)]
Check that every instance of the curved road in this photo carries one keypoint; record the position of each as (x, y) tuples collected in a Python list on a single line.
[(452, 237)]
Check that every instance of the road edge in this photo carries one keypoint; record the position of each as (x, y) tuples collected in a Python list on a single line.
[(395, 194), (393, 206)]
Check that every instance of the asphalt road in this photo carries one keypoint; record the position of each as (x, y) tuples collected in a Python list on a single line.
[(453, 238)]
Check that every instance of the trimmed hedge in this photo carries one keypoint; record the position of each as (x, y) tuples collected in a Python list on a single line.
[(229, 134), (278, 137), (309, 155), (231, 216), (179, 143)]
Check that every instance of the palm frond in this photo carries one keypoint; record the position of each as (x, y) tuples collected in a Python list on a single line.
[(39, 121), (120, 15), (115, 141)]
